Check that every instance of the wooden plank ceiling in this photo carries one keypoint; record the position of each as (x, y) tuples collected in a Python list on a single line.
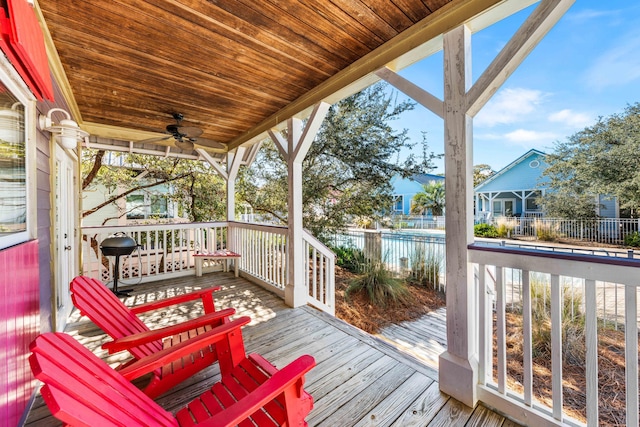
[(226, 65)]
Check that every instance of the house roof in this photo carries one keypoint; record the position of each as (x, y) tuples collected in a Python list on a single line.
[(509, 167), (235, 68), (426, 178)]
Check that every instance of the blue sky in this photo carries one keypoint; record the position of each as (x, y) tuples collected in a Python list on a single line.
[(588, 66)]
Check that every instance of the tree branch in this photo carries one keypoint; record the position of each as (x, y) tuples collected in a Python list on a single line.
[(126, 193), (97, 164), (266, 210)]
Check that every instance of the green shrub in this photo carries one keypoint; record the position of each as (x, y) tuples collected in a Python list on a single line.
[(350, 258), (485, 230), (632, 239), (379, 284)]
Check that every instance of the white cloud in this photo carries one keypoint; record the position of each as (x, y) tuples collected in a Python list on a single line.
[(509, 106), (582, 16), (571, 118), (530, 138), (618, 66)]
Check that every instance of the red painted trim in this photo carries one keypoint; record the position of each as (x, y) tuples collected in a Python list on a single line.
[(19, 325), (23, 42), (5, 46)]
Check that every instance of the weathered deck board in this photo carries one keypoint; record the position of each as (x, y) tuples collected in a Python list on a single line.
[(359, 379), (424, 338)]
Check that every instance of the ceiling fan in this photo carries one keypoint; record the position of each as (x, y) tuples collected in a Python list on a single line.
[(184, 136)]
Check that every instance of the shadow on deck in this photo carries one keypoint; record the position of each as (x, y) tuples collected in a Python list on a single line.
[(359, 379)]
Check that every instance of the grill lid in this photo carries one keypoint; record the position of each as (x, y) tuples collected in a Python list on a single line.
[(118, 245)]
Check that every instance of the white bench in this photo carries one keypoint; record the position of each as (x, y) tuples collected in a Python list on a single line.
[(217, 255)]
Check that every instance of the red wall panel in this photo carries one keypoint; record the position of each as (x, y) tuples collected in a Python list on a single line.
[(19, 325)]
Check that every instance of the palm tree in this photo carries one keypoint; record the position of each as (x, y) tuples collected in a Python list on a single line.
[(430, 199)]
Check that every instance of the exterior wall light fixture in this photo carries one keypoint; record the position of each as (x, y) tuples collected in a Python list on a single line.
[(66, 131)]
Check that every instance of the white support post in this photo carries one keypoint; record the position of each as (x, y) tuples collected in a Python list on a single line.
[(458, 372), (459, 365), (295, 294), (234, 159), (293, 150)]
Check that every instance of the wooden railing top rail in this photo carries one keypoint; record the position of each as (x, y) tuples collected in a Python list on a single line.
[(603, 268), (277, 229), (324, 250), (153, 227)]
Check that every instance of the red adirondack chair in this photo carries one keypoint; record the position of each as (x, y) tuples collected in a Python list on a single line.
[(128, 332), (82, 390)]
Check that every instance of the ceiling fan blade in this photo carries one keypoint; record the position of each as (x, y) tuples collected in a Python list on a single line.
[(209, 143), (189, 131), (184, 144), (150, 140)]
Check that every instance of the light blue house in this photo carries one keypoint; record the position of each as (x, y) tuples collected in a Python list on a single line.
[(513, 190), (405, 188)]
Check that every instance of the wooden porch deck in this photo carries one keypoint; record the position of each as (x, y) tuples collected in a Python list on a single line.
[(359, 379)]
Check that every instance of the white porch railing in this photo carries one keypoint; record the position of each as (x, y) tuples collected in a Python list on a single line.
[(166, 250), (321, 283), (264, 253), (555, 271)]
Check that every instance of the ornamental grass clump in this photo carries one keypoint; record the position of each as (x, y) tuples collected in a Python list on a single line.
[(545, 231), (379, 284), (425, 266), (506, 226), (573, 322)]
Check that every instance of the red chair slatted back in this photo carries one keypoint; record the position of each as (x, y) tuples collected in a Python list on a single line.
[(82, 390), (103, 307)]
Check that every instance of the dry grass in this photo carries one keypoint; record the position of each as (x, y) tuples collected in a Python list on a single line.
[(358, 310), (611, 371)]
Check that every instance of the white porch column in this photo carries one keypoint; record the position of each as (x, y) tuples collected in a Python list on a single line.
[(294, 149), (459, 365), (234, 160)]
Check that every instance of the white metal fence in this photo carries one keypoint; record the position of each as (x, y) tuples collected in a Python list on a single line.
[(604, 230), (417, 222), (510, 280), (405, 253)]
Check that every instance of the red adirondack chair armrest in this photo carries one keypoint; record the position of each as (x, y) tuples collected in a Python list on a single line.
[(291, 375), (134, 340), (205, 294), (168, 355)]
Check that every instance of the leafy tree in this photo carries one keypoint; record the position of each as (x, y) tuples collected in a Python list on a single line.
[(601, 159), (481, 172), (347, 170), (430, 198), (196, 188)]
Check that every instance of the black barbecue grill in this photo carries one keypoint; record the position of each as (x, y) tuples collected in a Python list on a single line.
[(117, 246)]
